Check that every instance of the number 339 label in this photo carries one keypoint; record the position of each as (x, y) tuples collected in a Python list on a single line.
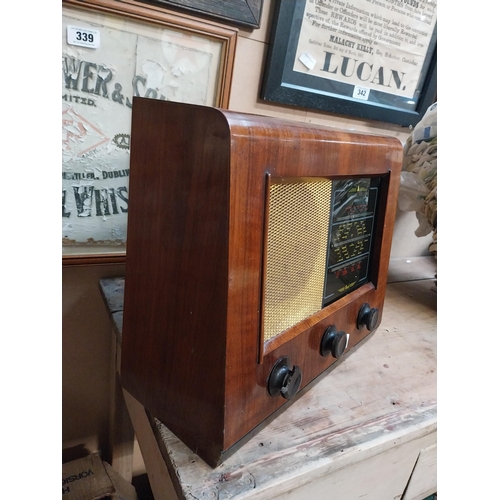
[(361, 93), (83, 37)]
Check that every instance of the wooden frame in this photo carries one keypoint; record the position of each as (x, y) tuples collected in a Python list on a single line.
[(243, 13), (189, 60), (318, 60)]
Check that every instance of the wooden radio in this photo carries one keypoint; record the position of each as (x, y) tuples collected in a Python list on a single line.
[(257, 255)]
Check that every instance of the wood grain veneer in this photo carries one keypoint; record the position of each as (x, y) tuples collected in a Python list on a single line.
[(191, 349)]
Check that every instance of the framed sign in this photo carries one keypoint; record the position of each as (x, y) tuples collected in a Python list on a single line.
[(373, 59), (240, 12), (111, 52)]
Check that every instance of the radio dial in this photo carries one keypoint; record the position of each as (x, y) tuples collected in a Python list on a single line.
[(367, 317), (334, 342)]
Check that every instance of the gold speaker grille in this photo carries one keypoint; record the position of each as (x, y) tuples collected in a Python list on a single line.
[(296, 253)]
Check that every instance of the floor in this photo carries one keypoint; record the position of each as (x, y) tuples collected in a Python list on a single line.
[(143, 489)]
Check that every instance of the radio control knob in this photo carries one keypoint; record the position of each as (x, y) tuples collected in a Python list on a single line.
[(283, 379), (367, 317), (334, 342)]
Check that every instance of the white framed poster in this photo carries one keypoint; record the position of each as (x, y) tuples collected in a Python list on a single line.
[(111, 52)]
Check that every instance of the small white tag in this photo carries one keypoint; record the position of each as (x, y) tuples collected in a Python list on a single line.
[(361, 93), (83, 37), (347, 341), (307, 60)]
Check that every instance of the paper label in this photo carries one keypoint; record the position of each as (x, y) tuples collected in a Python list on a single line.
[(307, 60), (83, 37), (361, 93)]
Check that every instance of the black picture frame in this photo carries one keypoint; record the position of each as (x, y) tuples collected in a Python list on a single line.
[(282, 85), (245, 13)]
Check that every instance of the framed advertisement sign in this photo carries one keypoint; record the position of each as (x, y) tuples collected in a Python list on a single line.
[(111, 52), (241, 12), (373, 59)]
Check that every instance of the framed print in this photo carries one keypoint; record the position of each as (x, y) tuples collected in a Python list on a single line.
[(241, 12), (368, 59), (111, 52)]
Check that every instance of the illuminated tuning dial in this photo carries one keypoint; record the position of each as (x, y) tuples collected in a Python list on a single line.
[(334, 342), (368, 317)]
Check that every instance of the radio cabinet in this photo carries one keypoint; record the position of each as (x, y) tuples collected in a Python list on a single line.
[(257, 256)]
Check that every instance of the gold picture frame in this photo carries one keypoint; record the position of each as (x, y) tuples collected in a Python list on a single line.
[(111, 52)]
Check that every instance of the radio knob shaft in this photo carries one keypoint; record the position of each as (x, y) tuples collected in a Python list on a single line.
[(368, 317), (283, 379), (334, 342)]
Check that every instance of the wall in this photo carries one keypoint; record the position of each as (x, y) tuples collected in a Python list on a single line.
[(249, 65), (86, 328), (86, 348)]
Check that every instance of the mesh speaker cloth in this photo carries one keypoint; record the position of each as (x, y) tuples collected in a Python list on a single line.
[(297, 239)]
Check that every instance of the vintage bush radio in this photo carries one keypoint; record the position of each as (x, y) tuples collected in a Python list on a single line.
[(257, 254)]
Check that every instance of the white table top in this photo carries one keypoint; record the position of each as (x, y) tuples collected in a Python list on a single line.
[(382, 394)]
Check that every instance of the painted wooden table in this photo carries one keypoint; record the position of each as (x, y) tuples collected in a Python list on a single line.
[(364, 429)]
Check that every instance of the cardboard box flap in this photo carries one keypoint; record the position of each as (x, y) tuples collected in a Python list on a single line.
[(86, 479)]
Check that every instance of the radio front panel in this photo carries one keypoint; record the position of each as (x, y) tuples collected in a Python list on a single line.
[(318, 241), (257, 257)]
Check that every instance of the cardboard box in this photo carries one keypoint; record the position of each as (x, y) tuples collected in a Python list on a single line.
[(90, 478)]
